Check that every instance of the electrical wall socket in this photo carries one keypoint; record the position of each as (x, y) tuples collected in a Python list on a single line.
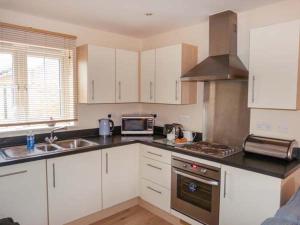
[(263, 126), (283, 128)]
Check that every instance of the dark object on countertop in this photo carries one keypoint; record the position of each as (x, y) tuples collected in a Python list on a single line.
[(176, 127), (274, 147), (180, 133), (297, 152), (167, 129), (8, 221)]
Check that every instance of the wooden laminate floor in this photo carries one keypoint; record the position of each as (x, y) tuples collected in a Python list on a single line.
[(133, 216)]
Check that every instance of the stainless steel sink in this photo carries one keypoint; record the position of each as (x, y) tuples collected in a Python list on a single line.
[(19, 152), (75, 144), (48, 147)]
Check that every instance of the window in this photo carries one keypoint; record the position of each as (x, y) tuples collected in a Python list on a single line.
[(37, 82), (7, 97)]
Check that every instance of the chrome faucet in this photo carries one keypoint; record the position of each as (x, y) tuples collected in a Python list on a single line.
[(53, 138)]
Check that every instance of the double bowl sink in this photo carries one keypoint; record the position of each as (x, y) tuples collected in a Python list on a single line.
[(42, 149)]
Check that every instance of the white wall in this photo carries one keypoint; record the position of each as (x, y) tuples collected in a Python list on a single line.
[(88, 114), (191, 116), (263, 122), (277, 123)]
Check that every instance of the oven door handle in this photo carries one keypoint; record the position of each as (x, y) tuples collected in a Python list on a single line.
[(210, 182)]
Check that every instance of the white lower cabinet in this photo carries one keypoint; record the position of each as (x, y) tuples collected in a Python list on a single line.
[(74, 186), (120, 172), (156, 154), (247, 198), (156, 195), (23, 193), (155, 177), (157, 172)]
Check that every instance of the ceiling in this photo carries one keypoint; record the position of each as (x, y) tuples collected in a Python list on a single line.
[(127, 16)]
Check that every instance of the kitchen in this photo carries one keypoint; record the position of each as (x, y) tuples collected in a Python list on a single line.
[(263, 122)]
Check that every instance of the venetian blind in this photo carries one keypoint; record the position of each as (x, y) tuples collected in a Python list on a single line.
[(37, 76)]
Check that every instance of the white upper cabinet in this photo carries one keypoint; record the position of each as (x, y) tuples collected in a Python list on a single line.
[(74, 186), (247, 198), (127, 76), (96, 74), (274, 67), (23, 193), (120, 174), (171, 62), (147, 83)]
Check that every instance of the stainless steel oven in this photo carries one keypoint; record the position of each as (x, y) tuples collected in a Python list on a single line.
[(137, 124), (196, 190)]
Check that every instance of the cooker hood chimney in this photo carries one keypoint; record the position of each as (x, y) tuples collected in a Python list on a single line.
[(223, 62)]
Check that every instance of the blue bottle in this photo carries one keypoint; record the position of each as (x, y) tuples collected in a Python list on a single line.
[(30, 141)]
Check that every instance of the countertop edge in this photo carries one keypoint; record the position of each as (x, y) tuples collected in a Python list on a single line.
[(153, 144)]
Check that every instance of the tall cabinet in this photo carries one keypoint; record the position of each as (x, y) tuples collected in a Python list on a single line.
[(107, 75), (120, 169), (23, 192), (96, 74), (147, 82), (74, 186), (161, 70), (127, 76), (247, 198), (274, 67)]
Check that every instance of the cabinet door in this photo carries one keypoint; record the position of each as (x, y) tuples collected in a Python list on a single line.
[(23, 193), (101, 74), (126, 76), (74, 186), (274, 66), (168, 72), (120, 166), (148, 76), (247, 198)]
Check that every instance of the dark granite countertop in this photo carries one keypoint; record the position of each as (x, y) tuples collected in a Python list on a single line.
[(260, 164)]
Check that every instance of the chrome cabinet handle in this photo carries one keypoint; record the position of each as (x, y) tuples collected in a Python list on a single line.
[(225, 184), (106, 164), (176, 90), (151, 93), (119, 90), (210, 182), (152, 189), (155, 167), (253, 88), (93, 90), (13, 173), (159, 155), (53, 173)]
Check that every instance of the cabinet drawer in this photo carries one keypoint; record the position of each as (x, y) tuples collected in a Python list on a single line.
[(158, 172), (156, 154), (156, 195)]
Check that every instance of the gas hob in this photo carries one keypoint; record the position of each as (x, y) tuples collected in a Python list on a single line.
[(211, 149), (204, 148)]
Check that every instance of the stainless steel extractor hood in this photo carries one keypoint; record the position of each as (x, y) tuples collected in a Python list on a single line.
[(223, 62)]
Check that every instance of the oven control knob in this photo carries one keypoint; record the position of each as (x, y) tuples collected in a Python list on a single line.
[(203, 170)]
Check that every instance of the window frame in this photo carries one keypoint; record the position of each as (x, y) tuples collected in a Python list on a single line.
[(20, 77), (14, 83)]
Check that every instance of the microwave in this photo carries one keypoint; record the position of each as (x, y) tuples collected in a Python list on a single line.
[(137, 124)]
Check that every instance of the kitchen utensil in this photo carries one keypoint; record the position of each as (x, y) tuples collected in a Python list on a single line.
[(106, 127), (275, 147), (188, 135)]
